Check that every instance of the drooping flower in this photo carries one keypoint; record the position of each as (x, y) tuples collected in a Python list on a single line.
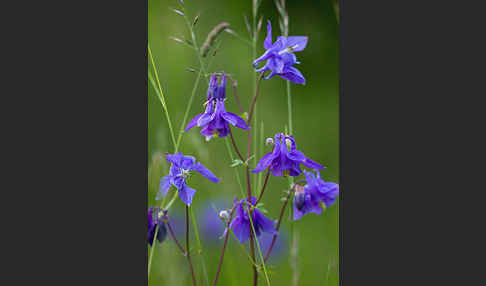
[(179, 172), (153, 221), (308, 198), (214, 121), (327, 192), (285, 159), (241, 222), (280, 57)]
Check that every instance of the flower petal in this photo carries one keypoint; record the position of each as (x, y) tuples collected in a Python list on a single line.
[(213, 84), (207, 116), (268, 54), (296, 43), (267, 44), (276, 64), (241, 229), (292, 74), (187, 162), (193, 122), (264, 163), (186, 194), (265, 223), (200, 168), (235, 120), (312, 164), (164, 186), (174, 158), (297, 213), (296, 155)]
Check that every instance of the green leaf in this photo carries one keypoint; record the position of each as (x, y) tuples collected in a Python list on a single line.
[(236, 162)]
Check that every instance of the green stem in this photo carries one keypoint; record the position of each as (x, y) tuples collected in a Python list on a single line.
[(161, 96)]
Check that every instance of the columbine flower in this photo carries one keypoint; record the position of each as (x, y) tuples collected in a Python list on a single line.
[(214, 121), (153, 221), (283, 161), (308, 198), (280, 57), (178, 174), (241, 223), (325, 191)]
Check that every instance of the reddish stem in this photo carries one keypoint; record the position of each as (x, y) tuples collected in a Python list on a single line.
[(224, 248)]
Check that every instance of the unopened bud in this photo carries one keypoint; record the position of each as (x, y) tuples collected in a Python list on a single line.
[(195, 20), (224, 214), (269, 141), (178, 12), (176, 39), (288, 142)]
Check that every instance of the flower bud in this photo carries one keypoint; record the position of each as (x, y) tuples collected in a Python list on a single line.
[(299, 197), (269, 141), (224, 214)]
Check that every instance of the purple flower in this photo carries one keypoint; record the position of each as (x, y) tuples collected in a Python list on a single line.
[(280, 57), (241, 222), (153, 221), (214, 121), (283, 161), (308, 198), (178, 174), (327, 192)]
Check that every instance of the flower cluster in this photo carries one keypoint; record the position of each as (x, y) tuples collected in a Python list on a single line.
[(283, 160), (214, 121)]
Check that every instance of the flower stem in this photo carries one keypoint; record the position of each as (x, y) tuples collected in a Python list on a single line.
[(171, 232), (235, 93), (282, 211), (188, 255), (161, 96), (224, 248), (264, 185), (234, 145), (253, 101)]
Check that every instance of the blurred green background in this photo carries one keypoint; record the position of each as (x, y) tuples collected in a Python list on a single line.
[(315, 124)]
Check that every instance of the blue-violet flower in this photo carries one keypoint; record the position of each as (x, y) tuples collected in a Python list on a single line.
[(153, 221), (285, 159), (214, 121), (280, 57), (241, 222), (308, 198), (179, 173)]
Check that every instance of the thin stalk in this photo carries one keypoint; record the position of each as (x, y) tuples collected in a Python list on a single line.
[(216, 276), (152, 250), (234, 145), (235, 93), (199, 245), (260, 152), (258, 247), (253, 101), (289, 108), (254, 39), (188, 253), (282, 211), (236, 171), (171, 232), (161, 96), (188, 107), (264, 185)]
